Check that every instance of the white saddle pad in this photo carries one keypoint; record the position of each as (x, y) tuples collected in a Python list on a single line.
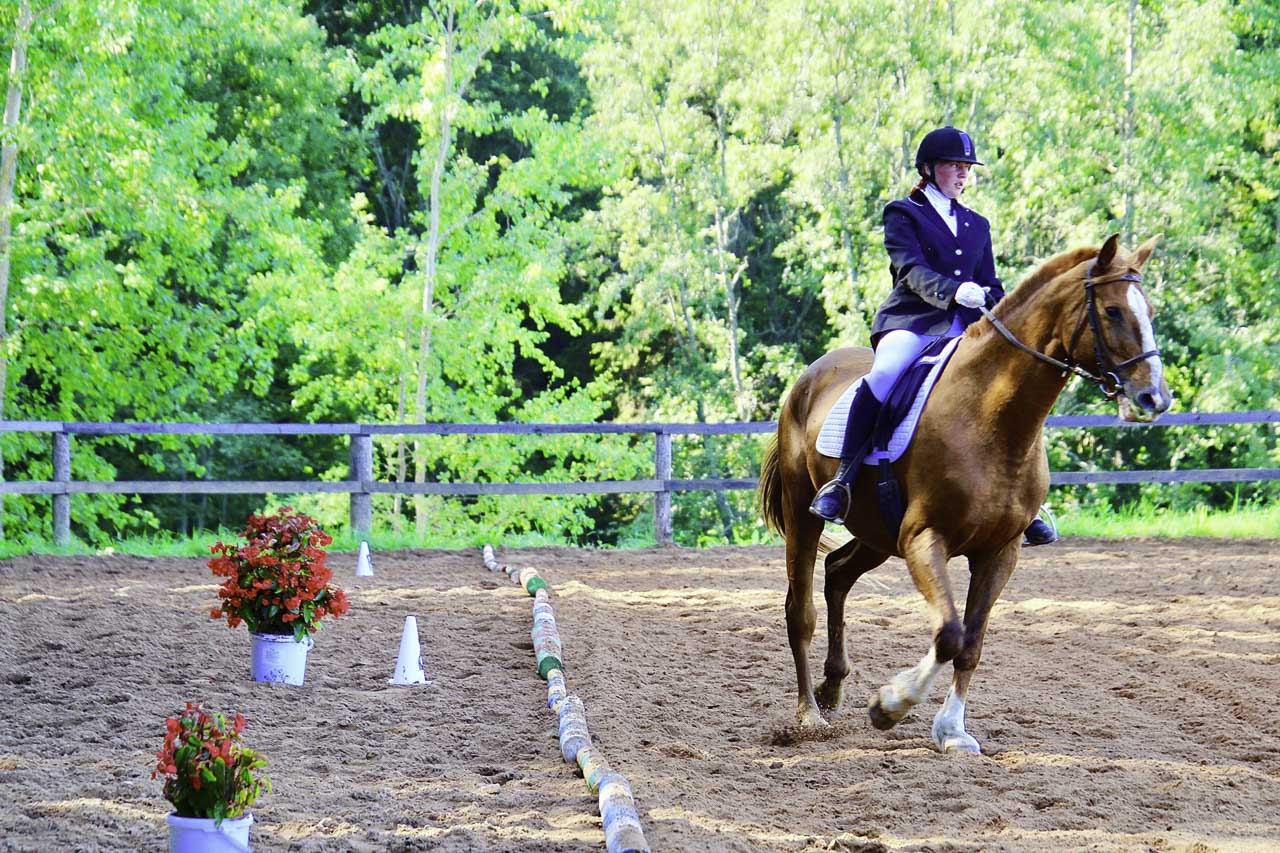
[(831, 436)]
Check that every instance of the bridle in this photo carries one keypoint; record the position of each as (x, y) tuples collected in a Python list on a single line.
[(1111, 381)]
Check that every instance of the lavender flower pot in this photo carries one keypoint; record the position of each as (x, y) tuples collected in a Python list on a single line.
[(280, 658)]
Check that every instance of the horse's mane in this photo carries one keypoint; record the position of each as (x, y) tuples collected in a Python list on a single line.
[(1029, 286)]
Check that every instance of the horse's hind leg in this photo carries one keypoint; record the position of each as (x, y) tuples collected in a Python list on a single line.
[(843, 568), (988, 577), (803, 532)]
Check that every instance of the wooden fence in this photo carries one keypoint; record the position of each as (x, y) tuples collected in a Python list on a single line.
[(362, 487)]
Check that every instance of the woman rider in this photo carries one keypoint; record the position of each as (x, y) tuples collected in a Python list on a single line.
[(943, 270)]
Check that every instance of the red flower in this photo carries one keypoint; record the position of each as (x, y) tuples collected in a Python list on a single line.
[(209, 773), (280, 568)]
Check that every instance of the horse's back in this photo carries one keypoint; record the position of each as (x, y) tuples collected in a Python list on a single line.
[(822, 383)]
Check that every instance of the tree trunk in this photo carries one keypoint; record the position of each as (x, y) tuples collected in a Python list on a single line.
[(429, 270), (8, 176), (397, 523), (1130, 56), (842, 204), (689, 338), (728, 280)]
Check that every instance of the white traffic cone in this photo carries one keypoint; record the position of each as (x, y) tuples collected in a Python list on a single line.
[(409, 664), (364, 568)]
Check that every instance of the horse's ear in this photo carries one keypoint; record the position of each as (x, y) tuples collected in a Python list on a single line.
[(1107, 253), (1141, 256)]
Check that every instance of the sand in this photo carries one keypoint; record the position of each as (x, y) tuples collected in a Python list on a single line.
[(1127, 700)]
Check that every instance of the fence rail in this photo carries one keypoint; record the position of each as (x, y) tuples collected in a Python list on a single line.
[(361, 486)]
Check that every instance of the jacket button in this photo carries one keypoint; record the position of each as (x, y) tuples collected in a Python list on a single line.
[(958, 252), (958, 272)]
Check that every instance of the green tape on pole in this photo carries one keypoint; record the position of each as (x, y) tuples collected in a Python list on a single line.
[(536, 583), (548, 663), (593, 776)]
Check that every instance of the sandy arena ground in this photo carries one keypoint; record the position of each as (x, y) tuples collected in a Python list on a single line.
[(1127, 700)]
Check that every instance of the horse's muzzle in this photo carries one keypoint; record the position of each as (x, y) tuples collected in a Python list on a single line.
[(1143, 403)]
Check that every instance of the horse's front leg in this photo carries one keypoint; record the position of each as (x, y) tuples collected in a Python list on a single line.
[(803, 532), (988, 577), (926, 556), (843, 568)]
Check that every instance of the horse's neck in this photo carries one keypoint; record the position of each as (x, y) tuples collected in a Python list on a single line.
[(1013, 391)]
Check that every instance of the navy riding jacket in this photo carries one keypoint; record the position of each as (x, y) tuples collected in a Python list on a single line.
[(928, 263)]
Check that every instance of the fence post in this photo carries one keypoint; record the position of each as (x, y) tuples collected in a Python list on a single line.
[(62, 500), (662, 499), (361, 472)]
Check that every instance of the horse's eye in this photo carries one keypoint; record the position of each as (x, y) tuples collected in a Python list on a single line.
[(1113, 312)]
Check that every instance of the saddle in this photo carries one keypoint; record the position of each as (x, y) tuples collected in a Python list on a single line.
[(894, 427), (900, 412)]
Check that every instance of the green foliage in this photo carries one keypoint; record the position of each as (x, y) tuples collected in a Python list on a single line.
[(154, 225), (1149, 518), (207, 772), (567, 210)]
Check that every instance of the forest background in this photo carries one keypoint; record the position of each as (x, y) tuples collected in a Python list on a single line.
[(389, 211)]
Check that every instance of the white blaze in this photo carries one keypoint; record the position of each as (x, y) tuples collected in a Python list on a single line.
[(1138, 305)]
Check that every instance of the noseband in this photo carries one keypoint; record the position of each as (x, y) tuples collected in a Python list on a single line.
[(1111, 380)]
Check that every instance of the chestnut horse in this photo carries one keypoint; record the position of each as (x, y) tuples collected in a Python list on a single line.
[(974, 476)]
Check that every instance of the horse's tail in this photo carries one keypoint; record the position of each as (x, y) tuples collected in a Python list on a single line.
[(769, 492)]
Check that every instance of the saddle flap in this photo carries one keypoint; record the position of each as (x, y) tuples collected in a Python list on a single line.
[(901, 411)]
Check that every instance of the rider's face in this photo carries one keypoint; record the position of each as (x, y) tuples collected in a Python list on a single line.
[(951, 177)]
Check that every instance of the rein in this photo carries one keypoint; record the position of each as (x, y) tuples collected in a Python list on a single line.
[(1109, 381)]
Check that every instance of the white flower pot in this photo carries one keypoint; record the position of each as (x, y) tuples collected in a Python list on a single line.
[(204, 835), (280, 658)]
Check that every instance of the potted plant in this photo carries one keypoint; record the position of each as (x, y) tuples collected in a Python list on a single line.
[(277, 584), (210, 779)]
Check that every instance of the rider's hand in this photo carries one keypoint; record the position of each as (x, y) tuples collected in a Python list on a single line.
[(970, 295)]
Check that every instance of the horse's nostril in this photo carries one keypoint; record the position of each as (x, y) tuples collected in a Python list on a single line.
[(1147, 401)]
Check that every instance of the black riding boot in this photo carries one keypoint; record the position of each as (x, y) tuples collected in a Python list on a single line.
[(1039, 532), (832, 501)]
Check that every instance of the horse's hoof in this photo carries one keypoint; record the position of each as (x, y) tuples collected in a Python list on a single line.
[(879, 718), (808, 718), (959, 742), (829, 695)]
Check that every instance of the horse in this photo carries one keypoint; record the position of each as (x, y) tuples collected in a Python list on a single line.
[(973, 478)]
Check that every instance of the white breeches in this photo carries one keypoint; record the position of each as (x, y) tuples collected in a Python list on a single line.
[(894, 354)]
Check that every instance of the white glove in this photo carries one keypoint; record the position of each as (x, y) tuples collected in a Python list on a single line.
[(970, 295)]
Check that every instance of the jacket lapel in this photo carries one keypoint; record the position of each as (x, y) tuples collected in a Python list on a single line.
[(936, 219)]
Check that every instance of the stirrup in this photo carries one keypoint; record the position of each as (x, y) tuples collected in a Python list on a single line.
[(831, 489), (1041, 531)]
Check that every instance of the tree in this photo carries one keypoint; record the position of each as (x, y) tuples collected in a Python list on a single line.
[(144, 244), (26, 18), (440, 312)]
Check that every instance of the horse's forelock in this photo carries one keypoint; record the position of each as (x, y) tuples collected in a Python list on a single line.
[(1038, 278)]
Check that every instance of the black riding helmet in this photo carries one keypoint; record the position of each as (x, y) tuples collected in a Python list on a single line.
[(946, 143)]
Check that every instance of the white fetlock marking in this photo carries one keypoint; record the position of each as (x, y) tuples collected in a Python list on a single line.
[(948, 727), (909, 687)]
